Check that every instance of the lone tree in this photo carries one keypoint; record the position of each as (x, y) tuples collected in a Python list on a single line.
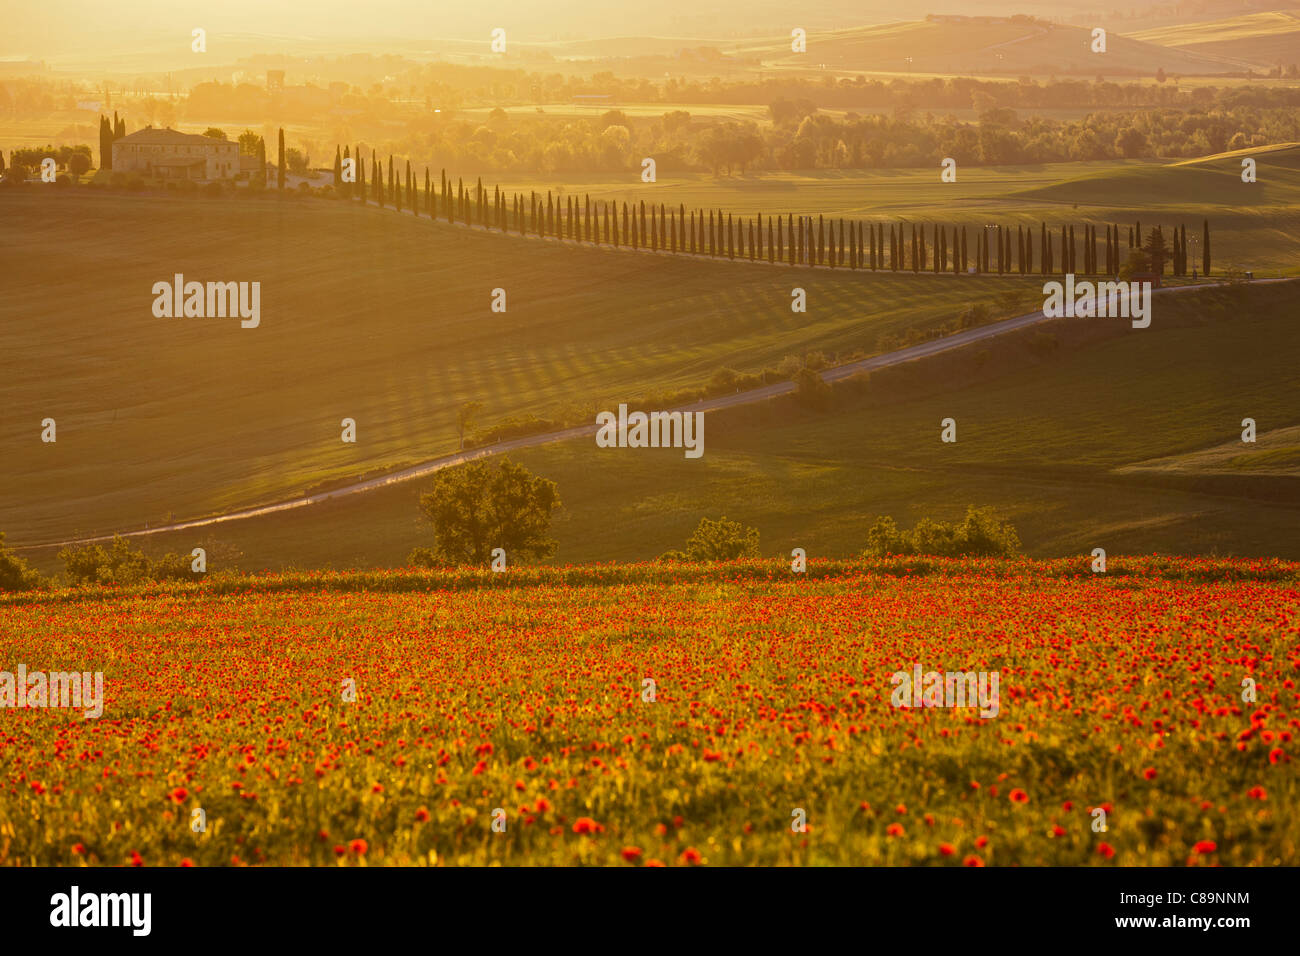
[(476, 508), (465, 416), (717, 540)]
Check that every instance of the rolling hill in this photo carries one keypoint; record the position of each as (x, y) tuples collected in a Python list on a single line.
[(1017, 45), (366, 314), (1257, 40)]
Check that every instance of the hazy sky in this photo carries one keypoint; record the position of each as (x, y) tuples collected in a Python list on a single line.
[(149, 34)]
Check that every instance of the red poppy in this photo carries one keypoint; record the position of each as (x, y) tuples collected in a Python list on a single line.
[(1106, 850), (1019, 796), (631, 853), (972, 860)]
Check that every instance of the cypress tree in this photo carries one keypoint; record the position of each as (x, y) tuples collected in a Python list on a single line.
[(853, 246), (261, 165), (279, 179), (1205, 247), (791, 244), (772, 252), (758, 237), (338, 170)]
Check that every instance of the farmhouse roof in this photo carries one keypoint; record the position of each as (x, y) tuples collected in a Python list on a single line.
[(168, 137)]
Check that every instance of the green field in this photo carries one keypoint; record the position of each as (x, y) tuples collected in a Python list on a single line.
[(1254, 226), (1048, 421), (366, 314), (385, 319)]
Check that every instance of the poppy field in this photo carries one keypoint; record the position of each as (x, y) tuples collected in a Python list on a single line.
[(641, 715)]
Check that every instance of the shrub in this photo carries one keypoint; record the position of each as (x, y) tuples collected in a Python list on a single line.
[(15, 575), (980, 534), (173, 567), (423, 558), (120, 564), (813, 390), (93, 564), (719, 540)]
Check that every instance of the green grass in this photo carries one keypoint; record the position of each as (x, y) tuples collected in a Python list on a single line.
[(1255, 226), (1048, 419), (366, 314)]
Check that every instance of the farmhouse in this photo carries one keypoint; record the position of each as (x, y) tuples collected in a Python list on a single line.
[(169, 154)]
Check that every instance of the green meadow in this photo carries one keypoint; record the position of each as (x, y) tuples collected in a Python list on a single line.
[(1049, 422), (1254, 226), (365, 314)]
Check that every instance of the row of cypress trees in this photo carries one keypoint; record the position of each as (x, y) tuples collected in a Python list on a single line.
[(798, 240)]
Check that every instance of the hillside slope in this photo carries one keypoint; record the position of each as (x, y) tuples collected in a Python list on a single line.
[(366, 314), (1049, 421)]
